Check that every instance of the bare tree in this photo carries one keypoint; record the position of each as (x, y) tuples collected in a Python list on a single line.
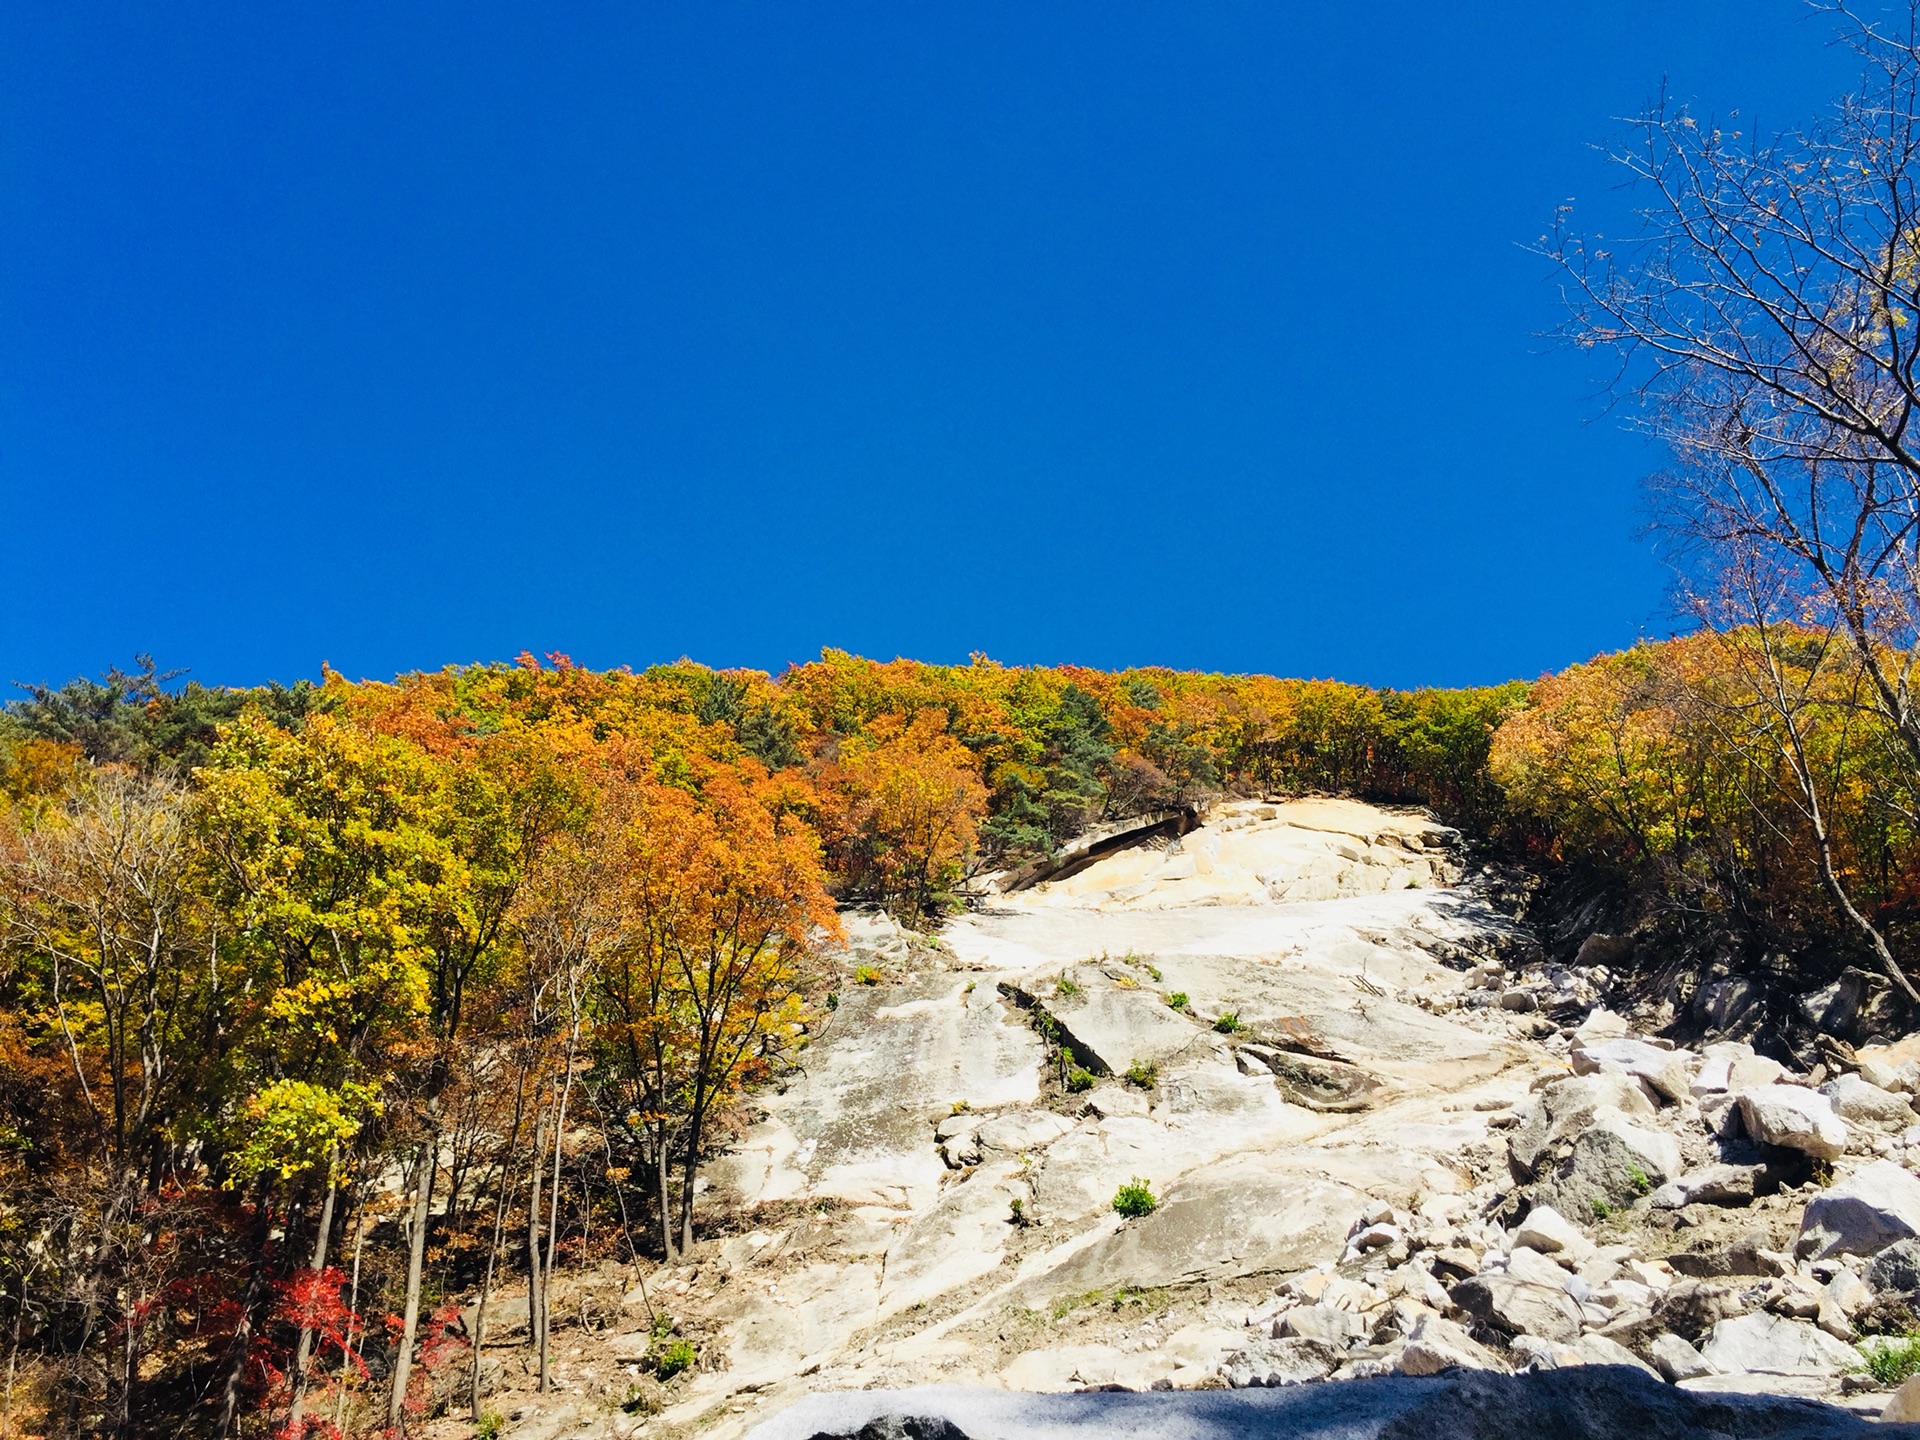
[(1766, 318)]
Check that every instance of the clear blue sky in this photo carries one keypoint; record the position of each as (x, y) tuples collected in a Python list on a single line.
[(1191, 334)]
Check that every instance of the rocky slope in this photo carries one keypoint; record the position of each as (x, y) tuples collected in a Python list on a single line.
[(1374, 1151)]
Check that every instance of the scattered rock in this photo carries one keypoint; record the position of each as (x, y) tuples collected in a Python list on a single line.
[(1794, 1117), (1904, 1408), (1667, 1071), (1437, 1344), (1325, 1323), (1855, 1100), (1295, 1360), (1678, 1360), (1597, 1349), (1514, 1307), (1545, 1229), (1775, 1345), (1712, 1185), (1896, 1269), (1693, 1307), (1877, 1206)]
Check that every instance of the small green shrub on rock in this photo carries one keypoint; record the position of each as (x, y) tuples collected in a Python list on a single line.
[(673, 1357), (1892, 1360), (1134, 1199), (1229, 1023), (1079, 1079), (1178, 999), (865, 975), (1143, 1073)]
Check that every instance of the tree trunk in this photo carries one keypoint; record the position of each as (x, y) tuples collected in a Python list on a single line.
[(493, 1250), (416, 1261), (553, 1213), (303, 1355), (536, 1280), (662, 1168), (243, 1332)]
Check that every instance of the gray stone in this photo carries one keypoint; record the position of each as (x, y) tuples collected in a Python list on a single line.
[(1775, 1345), (1339, 1328), (1667, 1071), (1793, 1117), (1597, 1349), (1896, 1269), (1515, 1307), (1876, 1206), (1611, 1160), (1693, 1307), (1863, 1104), (1296, 1360), (1678, 1360), (1545, 1229), (1904, 1408), (1560, 1112), (1712, 1185), (1437, 1344), (1583, 1402)]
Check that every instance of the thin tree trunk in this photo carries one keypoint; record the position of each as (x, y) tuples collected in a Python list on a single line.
[(243, 1332), (13, 1358), (303, 1354), (663, 1169), (493, 1250), (416, 1261), (553, 1211), (536, 1281)]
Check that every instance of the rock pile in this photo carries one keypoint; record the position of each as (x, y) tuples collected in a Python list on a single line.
[(1712, 1219)]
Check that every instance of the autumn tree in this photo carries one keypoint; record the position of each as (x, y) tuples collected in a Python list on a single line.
[(110, 944), (1764, 318), (907, 802), (728, 907)]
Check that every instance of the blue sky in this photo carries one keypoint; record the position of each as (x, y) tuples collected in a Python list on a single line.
[(1199, 335)]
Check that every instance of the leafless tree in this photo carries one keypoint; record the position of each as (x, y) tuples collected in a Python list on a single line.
[(1765, 321), (1766, 314)]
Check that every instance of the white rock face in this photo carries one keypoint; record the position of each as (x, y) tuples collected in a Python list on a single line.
[(1254, 853), (1874, 1207), (1798, 1118)]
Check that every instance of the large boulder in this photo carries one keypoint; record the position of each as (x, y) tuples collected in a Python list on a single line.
[(1517, 1307), (1563, 1109), (1613, 1160), (1876, 1206), (1774, 1345), (1794, 1117), (1435, 1344), (1668, 1072), (1860, 1103)]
